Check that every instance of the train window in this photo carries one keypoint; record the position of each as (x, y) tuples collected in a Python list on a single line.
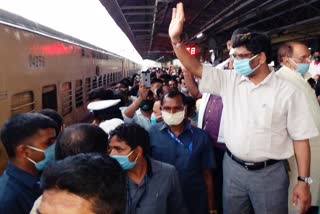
[(97, 70), (114, 77), (104, 80), (49, 97), (79, 93), (22, 103), (111, 78), (94, 82), (88, 87), (66, 95), (82, 52), (100, 81), (108, 79)]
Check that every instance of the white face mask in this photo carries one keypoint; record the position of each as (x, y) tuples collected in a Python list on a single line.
[(173, 119)]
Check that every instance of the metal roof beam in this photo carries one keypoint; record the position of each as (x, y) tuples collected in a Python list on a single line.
[(297, 24), (143, 38), (141, 30), (142, 7), (140, 23), (281, 13), (220, 15), (157, 52), (138, 14), (154, 23), (201, 11)]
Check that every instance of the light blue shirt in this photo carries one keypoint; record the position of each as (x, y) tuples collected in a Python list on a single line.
[(138, 118)]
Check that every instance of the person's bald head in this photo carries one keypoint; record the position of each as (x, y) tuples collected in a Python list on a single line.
[(292, 53), (81, 138)]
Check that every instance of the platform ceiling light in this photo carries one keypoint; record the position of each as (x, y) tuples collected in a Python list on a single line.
[(199, 36), (309, 48), (211, 50)]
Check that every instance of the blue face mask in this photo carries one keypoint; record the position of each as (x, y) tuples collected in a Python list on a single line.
[(124, 161), (153, 119), (302, 68), (49, 156), (242, 66)]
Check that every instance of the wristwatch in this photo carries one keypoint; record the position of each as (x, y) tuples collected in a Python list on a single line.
[(308, 180)]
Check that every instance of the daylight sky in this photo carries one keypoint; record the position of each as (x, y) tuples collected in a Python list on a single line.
[(87, 20)]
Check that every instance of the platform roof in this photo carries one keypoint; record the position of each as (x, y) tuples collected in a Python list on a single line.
[(146, 22)]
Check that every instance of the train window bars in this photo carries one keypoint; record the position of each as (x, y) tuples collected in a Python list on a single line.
[(108, 79), (94, 82), (104, 80), (66, 96), (88, 88), (79, 93), (22, 102), (100, 81)]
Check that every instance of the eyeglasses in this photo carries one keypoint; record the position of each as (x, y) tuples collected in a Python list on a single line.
[(303, 58), (241, 56)]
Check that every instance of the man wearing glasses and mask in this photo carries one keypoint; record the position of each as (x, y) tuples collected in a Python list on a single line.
[(295, 59), (265, 122)]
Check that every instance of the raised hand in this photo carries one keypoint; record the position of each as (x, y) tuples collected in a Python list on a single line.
[(176, 24)]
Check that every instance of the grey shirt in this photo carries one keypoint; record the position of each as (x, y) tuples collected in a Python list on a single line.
[(158, 193)]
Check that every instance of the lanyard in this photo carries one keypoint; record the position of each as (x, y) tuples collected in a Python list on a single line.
[(177, 140)]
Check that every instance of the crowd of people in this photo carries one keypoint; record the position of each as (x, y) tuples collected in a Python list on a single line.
[(236, 137)]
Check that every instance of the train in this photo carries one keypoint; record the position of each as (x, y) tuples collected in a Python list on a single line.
[(43, 68)]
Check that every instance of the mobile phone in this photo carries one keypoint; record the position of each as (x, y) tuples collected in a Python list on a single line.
[(146, 79)]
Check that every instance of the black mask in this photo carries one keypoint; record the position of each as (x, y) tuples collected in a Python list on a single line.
[(146, 105)]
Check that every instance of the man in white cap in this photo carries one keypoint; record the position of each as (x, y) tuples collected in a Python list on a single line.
[(104, 110)]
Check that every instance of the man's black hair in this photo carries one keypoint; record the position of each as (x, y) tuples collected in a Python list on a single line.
[(253, 41), (124, 82), (155, 80), (55, 116), (81, 138), (133, 135), (165, 76), (174, 93), (113, 84), (109, 113), (95, 177), (134, 90), (153, 75), (160, 90), (22, 126), (100, 94), (174, 79)]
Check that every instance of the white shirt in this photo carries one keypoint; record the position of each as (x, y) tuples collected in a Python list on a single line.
[(260, 121), (301, 83), (313, 107), (314, 69), (138, 118)]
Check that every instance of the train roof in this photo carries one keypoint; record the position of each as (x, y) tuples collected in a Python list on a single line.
[(17, 21), (146, 22)]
